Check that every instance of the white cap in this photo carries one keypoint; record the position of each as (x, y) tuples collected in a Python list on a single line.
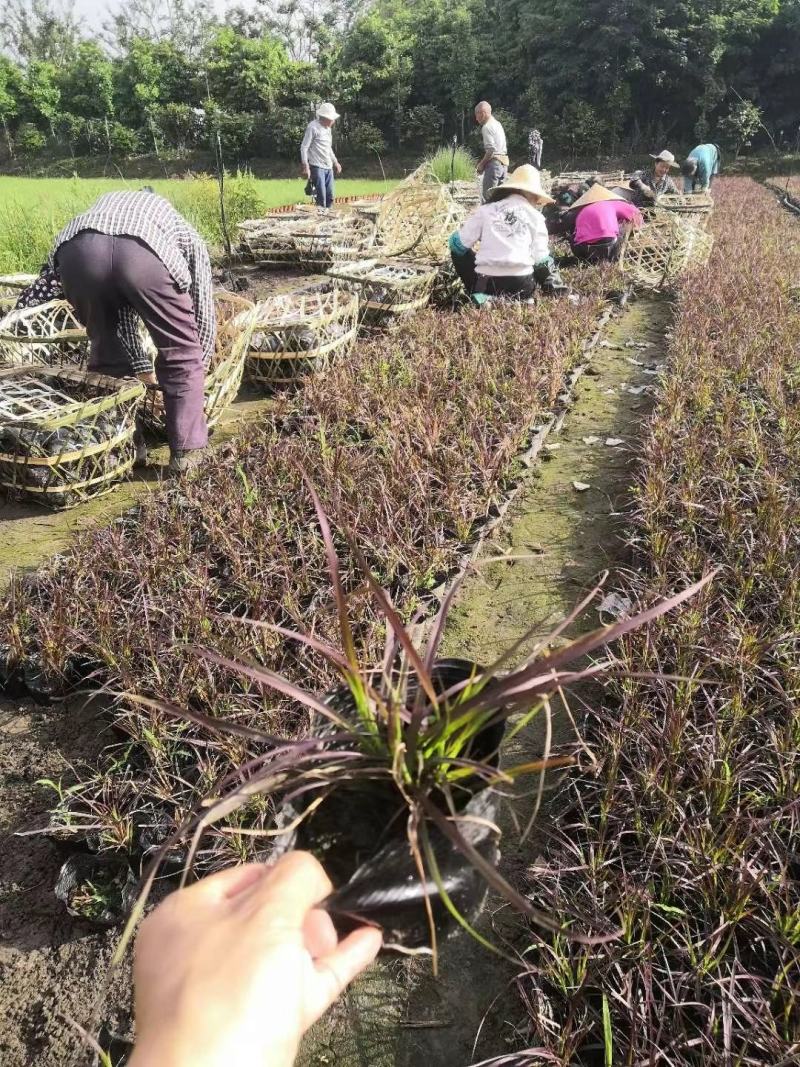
[(327, 111)]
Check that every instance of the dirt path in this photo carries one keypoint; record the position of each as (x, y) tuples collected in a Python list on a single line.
[(399, 1015), (51, 966)]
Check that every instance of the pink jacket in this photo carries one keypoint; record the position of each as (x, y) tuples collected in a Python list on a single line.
[(598, 222)]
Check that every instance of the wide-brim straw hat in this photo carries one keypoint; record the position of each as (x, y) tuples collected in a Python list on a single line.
[(327, 111), (666, 157), (526, 180), (595, 195)]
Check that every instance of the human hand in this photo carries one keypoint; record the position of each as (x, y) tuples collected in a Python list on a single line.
[(306, 172), (338, 168), (234, 969), (480, 167)]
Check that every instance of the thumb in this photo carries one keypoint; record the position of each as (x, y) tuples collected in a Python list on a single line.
[(334, 972)]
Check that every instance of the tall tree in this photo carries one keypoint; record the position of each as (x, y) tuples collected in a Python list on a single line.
[(10, 91), (41, 93), (44, 30)]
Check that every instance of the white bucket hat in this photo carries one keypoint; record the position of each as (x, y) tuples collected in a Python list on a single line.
[(327, 111), (527, 180), (665, 157)]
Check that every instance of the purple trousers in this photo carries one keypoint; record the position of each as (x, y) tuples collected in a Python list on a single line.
[(103, 274)]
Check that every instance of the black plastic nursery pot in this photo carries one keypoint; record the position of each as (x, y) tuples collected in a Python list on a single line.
[(101, 890), (360, 835)]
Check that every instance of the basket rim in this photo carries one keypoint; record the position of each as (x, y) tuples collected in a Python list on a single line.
[(343, 303), (363, 266), (117, 391)]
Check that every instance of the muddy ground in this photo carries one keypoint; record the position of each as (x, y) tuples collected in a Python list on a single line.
[(53, 967)]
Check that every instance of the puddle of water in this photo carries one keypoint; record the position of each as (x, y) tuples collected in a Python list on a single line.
[(29, 533), (398, 1014)]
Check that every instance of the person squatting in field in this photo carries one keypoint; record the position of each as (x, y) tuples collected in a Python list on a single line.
[(318, 157), (494, 164), (132, 258), (514, 253), (596, 218), (656, 181)]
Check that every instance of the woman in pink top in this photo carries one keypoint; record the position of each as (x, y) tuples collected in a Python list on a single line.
[(596, 238)]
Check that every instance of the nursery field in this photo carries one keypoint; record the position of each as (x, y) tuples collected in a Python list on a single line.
[(33, 210), (644, 909)]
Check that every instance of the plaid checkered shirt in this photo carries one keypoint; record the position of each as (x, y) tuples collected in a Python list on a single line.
[(180, 248)]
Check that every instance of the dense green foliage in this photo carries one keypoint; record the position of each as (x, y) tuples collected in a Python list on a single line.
[(602, 76)]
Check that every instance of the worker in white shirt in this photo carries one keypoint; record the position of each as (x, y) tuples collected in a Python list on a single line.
[(514, 253), (494, 165), (317, 155)]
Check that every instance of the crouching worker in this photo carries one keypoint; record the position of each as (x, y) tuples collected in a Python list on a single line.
[(131, 256), (514, 251), (599, 215)]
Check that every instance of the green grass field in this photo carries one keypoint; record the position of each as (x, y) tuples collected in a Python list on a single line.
[(33, 210)]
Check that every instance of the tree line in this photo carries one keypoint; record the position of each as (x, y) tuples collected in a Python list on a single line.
[(595, 76)]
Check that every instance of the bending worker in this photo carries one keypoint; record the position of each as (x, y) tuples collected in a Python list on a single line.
[(317, 155), (598, 215), (494, 165), (700, 168), (514, 251), (131, 256)]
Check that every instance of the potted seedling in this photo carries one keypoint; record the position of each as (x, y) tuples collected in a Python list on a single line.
[(98, 889), (397, 788)]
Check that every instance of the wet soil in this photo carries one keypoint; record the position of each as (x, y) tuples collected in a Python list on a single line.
[(52, 966), (399, 1014)]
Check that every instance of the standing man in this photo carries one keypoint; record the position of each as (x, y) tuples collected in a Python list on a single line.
[(317, 155), (131, 256), (700, 168), (494, 165)]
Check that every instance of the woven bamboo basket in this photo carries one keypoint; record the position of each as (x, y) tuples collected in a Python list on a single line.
[(309, 240), (576, 177), (466, 194), (11, 285), (387, 288), (695, 208), (299, 333), (49, 333), (66, 435), (418, 217), (236, 319), (666, 247)]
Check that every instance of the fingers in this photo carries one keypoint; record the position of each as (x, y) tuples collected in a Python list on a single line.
[(336, 971), (288, 892), (319, 934)]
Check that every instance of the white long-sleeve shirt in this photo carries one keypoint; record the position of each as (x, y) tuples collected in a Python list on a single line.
[(513, 237), (316, 149)]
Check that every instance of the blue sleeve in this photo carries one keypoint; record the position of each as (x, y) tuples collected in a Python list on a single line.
[(457, 246)]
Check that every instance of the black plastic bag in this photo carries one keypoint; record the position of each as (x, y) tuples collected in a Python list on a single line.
[(101, 890), (360, 835)]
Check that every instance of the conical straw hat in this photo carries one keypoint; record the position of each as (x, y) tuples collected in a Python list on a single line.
[(595, 195), (527, 180)]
